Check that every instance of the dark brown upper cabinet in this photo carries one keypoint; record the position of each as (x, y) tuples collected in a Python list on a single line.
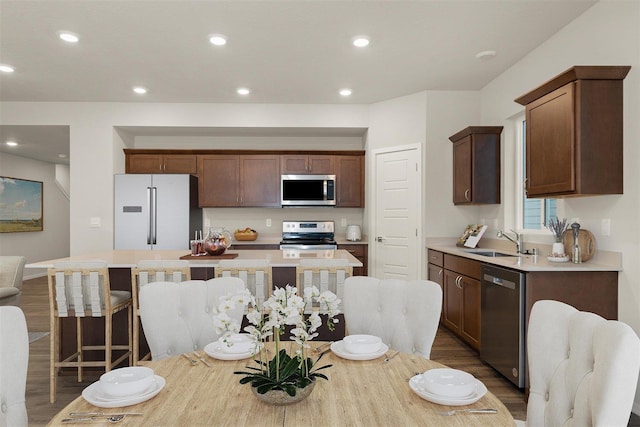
[(476, 165), (574, 133)]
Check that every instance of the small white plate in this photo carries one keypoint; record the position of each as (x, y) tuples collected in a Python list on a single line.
[(338, 348), (97, 397), (216, 351), (417, 385)]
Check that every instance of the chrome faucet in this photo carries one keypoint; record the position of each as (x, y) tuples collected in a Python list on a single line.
[(517, 239)]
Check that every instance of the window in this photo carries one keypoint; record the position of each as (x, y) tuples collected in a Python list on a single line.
[(534, 213)]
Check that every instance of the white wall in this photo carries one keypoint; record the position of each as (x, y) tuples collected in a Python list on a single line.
[(53, 241), (606, 34), (96, 147)]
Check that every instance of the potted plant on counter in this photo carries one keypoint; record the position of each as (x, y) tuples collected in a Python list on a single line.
[(558, 228)]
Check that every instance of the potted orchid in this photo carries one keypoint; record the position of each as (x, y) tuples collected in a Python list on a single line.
[(284, 378)]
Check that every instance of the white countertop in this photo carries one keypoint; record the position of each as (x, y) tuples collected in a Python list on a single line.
[(277, 258), (530, 262), (275, 240)]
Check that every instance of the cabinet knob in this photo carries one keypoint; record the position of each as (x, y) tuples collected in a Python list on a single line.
[(440, 273)]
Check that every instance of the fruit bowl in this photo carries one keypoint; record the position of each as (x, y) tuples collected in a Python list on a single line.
[(247, 234)]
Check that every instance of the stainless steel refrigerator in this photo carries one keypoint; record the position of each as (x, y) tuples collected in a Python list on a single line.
[(155, 211)]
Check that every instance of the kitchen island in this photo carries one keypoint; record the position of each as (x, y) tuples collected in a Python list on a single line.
[(120, 263)]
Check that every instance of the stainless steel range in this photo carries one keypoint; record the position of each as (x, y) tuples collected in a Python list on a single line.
[(316, 235)]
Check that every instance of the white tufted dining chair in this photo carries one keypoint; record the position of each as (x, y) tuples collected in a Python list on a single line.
[(11, 271), (178, 317), (583, 369), (149, 271), (14, 360), (405, 314)]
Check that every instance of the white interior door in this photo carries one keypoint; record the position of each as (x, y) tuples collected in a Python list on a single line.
[(398, 204)]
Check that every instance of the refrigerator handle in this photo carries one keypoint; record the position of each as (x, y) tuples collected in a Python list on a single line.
[(150, 220), (154, 215)]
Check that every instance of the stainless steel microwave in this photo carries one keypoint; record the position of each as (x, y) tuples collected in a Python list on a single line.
[(308, 190)]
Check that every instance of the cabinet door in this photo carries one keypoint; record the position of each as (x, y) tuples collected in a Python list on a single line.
[(470, 324), (218, 180), (359, 252), (550, 144), (307, 164), (451, 315), (260, 180), (294, 163), (180, 163), (435, 273), (462, 171), (144, 163), (321, 165), (350, 181)]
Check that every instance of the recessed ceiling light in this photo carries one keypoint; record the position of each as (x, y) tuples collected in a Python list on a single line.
[(360, 41), (243, 91), (140, 90), (62, 156), (217, 39), (68, 36), (6, 68), (345, 92), (486, 54), (11, 143)]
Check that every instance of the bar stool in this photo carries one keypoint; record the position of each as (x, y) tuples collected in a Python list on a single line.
[(150, 271), (255, 273), (81, 290), (324, 274)]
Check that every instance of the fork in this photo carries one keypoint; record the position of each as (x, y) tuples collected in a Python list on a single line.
[(202, 359), (471, 411), (192, 361)]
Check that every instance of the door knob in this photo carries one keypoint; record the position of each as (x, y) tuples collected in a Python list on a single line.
[(379, 239)]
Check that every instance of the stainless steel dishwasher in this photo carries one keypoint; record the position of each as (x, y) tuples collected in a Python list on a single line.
[(503, 323)]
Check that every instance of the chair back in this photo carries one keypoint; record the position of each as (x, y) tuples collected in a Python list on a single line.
[(405, 314), (255, 273), (79, 289), (14, 360), (11, 271), (178, 317), (583, 369), (324, 274)]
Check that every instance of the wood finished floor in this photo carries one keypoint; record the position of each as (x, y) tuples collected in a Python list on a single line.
[(447, 349)]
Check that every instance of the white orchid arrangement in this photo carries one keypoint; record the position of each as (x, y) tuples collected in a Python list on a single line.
[(284, 308)]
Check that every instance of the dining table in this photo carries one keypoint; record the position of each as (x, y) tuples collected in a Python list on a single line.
[(371, 392)]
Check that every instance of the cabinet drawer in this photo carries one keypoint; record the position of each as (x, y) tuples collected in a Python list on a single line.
[(465, 266), (357, 251), (435, 257)]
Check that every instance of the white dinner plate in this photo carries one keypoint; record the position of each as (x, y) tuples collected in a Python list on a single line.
[(95, 395), (338, 348), (216, 351), (417, 385)]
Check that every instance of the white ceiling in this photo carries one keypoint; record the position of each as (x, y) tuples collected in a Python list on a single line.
[(284, 51)]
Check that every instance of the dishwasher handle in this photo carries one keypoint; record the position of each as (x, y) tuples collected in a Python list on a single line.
[(500, 282)]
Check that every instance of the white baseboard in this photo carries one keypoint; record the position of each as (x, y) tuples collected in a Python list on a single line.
[(34, 274)]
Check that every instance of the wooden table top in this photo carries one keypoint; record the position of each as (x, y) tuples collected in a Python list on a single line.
[(358, 393)]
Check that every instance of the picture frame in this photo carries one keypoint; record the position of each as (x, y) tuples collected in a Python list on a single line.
[(21, 205)]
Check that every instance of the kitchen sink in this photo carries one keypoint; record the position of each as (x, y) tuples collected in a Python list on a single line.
[(492, 254)]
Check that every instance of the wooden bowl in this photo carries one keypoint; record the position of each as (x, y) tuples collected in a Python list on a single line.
[(245, 236)]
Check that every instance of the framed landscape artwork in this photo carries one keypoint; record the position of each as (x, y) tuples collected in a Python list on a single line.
[(20, 205)]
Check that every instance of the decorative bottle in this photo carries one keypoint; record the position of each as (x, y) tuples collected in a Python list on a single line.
[(577, 253)]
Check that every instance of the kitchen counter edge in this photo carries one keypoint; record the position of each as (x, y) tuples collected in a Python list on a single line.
[(525, 262)]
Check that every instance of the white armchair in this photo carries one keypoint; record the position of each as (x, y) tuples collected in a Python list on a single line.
[(14, 360), (583, 369), (178, 317), (11, 271), (405, 314)]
